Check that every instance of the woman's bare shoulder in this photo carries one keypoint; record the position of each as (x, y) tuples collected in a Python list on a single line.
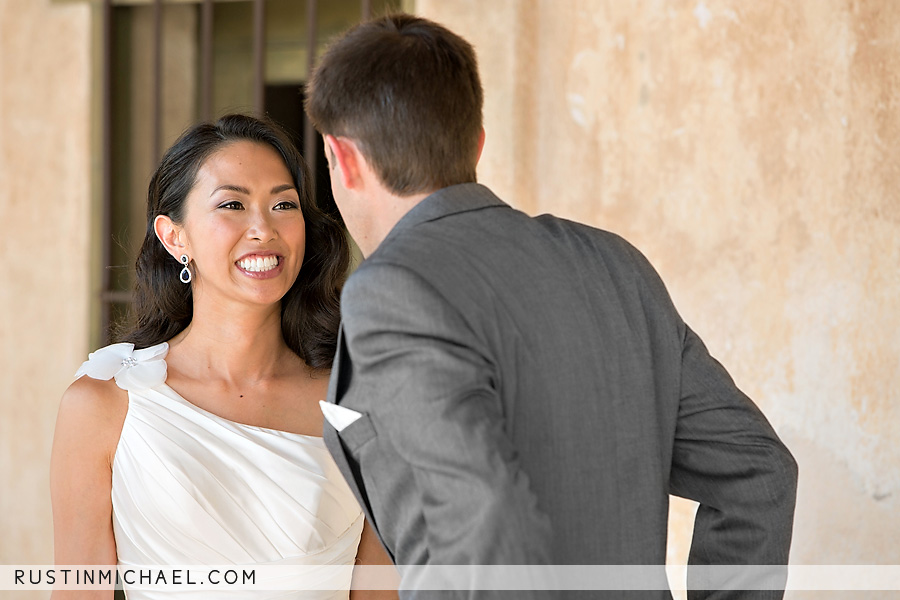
[(93, 406)]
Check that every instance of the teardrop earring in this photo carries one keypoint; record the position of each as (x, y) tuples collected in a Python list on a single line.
[(185, 275)]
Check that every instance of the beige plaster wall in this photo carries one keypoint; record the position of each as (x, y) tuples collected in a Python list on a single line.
[(752, 151), (44, 221)]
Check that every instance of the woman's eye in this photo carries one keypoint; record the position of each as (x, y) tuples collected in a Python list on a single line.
[(286, 205), (232, 205)]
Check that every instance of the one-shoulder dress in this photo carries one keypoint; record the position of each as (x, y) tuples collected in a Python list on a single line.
[(192, 488)]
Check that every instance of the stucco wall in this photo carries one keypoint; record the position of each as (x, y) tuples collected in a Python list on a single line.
[(751, 150), (45, 211)]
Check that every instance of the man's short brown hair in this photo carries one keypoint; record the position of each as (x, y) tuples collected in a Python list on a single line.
[(407, 91)]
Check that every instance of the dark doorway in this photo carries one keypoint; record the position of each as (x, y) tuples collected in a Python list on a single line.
[(284, 104)]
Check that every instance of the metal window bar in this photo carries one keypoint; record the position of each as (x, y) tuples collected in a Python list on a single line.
[(206, 59), (259, 56), (108, 295), (309, 135), (106, 166), (156, 105)]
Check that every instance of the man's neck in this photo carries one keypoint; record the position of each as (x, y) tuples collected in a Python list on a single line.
[(383, 214)]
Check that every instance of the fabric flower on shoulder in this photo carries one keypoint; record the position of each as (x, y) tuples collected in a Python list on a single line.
[(133, 369)]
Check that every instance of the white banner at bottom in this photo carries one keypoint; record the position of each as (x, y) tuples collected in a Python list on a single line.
[(451, 577)]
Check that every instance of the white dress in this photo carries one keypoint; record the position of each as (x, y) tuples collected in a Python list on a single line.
[(193, 488)]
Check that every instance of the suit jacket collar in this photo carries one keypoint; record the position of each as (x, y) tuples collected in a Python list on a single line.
[(458, 198)]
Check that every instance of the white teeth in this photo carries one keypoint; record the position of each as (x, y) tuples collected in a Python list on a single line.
[(258, 264)]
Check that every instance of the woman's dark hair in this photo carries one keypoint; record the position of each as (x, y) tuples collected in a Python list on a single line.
[(310, 311)]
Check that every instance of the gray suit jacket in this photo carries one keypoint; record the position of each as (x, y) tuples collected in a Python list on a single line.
[(531, 396)]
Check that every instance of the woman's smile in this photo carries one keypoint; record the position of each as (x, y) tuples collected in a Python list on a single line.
[(261, 266)]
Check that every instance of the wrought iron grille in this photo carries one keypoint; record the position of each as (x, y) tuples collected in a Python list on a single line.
[(123, 21)]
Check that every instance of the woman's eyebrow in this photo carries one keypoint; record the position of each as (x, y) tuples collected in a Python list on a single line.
[(283, 188), (231, 188)]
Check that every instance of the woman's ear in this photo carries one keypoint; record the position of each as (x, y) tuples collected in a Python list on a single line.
[(170, 235)]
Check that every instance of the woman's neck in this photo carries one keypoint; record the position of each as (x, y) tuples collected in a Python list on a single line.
[(233, 344)]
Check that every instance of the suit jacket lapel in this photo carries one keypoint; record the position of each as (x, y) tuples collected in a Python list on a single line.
[(333, 441), (336, 448)]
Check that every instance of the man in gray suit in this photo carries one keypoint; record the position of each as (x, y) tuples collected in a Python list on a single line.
[(511, 390)]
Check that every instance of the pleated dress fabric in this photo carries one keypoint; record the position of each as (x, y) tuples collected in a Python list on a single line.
[(192, 488)]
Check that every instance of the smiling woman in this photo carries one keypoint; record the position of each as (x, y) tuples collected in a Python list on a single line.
[(196, 165), (197, 439), (238, 236)]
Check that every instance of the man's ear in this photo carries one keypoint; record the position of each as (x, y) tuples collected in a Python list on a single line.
[(347, 159), (480, 145), (170, 235)]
